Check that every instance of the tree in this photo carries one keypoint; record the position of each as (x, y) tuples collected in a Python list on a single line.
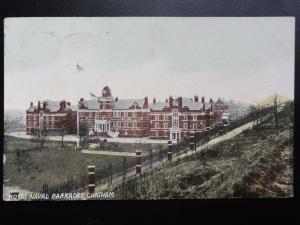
[(275, 111), (83, 131), (42, 134), (63, 127)]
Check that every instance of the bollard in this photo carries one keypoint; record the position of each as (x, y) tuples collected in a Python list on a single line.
[(138, 167), (91, 178), (170, 150), (191, 142)]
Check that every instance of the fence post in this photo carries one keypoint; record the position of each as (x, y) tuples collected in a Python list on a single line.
[(192, 141), (91, 179), (151, 159), (45, 188), (170, 150), (138, 166), (109, 173)]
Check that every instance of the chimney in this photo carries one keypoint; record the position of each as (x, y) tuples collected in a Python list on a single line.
[(211, 103), (170, 101), (179, 102), (31, 104), (44, 105), (196, 98), (81, 99), (68, 103), (116, 99), (154, 100), (63, 104), (39, 105), (145, 106), (203, 103)]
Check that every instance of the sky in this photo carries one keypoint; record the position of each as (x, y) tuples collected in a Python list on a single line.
[(244, 59)]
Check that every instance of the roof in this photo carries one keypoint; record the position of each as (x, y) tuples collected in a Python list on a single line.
[(157, 106), (32, 108), (53, 106), (91, 104), (188, 102), (72, 107), (126, 103)]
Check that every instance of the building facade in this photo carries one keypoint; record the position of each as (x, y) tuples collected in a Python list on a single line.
[(107, 116), (50, 115), (172, 119)]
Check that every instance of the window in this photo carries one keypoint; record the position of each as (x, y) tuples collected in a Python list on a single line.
[(126, 114), (185, 126), (134, 124), (165, 125), (186, 117), (156, 125), (125, 124), (165, 117), (135, 114), (175, 114), (115, 114), (156, 117), (194, 117), (194, 125), (175, 123), (119, 114)]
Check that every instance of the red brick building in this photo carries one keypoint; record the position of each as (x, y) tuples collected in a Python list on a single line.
[(108, 116), (48, 114), (172, 119)]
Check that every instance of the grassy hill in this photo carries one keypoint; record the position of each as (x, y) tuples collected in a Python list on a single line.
[(256, 163)]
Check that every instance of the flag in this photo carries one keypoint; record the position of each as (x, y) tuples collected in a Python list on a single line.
[(79, 68), (92, 95)]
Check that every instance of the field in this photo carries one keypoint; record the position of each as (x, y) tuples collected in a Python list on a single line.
[(29, 167), (256, 163)]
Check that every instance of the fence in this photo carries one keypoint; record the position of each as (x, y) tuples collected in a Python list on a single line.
[(107, 173)]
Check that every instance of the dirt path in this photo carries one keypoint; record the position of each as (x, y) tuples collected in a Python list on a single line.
[(113, 153), (102, 186)]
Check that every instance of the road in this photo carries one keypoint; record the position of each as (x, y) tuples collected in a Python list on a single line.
[(74, 138), (114, 153)]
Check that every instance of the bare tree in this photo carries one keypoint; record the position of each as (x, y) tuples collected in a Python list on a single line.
[(42, 134), (83, 131), (63, 126), (275, 111)]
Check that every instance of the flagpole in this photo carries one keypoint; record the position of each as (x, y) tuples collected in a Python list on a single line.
[(77, 109)]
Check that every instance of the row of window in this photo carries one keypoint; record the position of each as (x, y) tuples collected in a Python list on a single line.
[(175, 115), (138, 114), (175, 125), (127, 114), (45, 117), (125, 124)]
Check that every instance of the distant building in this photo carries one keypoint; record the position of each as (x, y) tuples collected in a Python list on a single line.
[(172, 119), (47, 114), (109, 117)]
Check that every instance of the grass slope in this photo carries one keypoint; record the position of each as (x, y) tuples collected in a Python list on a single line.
[(256, 163)]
